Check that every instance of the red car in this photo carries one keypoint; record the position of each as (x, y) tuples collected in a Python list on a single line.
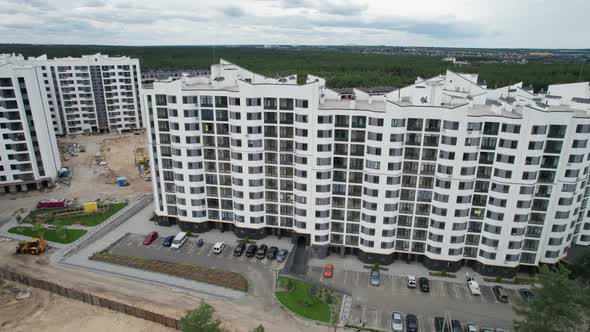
[(328, 271), (150, 238)]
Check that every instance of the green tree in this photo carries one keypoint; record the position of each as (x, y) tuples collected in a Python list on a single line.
[(259, 328), (200, 320), (558, 304), (581, 268)]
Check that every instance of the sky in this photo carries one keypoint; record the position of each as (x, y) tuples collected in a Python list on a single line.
[(441, 23)]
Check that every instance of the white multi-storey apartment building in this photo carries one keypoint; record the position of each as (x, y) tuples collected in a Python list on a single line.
[(29, 157), (444, 170), (93, 93)]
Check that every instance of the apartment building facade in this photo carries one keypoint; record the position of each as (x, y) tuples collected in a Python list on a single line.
[(445, 170), (92, 93), (29, 156)]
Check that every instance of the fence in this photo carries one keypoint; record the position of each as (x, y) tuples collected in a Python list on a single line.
[(90, 298)]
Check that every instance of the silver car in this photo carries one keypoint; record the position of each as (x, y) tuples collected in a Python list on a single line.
[(397, 322), (375, 278)]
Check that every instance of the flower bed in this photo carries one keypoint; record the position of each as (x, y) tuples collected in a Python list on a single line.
[(297, 298), (188, 271), (70, 216)]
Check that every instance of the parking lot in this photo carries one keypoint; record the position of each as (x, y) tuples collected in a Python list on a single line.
[(259, 272), (373, 305)]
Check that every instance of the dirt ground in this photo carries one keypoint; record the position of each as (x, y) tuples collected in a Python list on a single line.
[(242, 315), (88, 180), (44, 311)]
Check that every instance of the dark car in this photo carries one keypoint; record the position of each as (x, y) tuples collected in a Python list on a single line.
[(239, 249), (456, 326), (251, 250), (411, 323), (527, 294), (261, 252), (168, 241), (500, 293), (282, 255), (272, 253), (440, 325), (424, 284)]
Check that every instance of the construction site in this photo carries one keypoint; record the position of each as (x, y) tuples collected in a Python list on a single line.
[(92, 166)]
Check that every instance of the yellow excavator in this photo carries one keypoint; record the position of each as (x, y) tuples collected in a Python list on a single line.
[(34, 246)]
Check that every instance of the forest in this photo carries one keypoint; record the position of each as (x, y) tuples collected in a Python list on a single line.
[(339, 67)]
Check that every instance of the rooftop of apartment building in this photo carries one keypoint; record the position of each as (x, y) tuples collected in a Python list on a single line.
[(451, 90)]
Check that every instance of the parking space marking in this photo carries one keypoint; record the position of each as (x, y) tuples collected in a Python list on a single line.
[(358, 275), (345, 275)]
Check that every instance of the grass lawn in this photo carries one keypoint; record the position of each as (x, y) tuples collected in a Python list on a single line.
[(50, 234), (302, 303), (90, 220)]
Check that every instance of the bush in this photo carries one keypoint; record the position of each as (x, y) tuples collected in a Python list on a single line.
[(376, 266), (499, 279), (329, 299), (313, 290)]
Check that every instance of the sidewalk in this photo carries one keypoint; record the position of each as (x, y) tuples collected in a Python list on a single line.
[(401, 269)]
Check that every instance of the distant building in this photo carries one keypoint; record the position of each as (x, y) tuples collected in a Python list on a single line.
[(29, 156), (449, 59), (443, 170), (149, 77), (93, 93)]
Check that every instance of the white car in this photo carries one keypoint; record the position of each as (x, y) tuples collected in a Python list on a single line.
[(411, 281), (179, 240), (397, 322), (471, 327), (218, 248), (474, 287)]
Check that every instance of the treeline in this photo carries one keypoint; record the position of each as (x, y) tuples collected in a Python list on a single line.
[(340, 68)]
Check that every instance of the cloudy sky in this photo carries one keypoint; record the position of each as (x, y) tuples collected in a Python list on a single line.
[(453, 23)]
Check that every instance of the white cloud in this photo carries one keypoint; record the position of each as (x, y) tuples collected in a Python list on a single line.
[(454, 23)]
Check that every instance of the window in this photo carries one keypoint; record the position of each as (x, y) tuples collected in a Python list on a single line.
[(539, 130), (451, 125), (301, 103)]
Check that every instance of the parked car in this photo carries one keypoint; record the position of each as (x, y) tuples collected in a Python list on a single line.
[(397, 323), (527, 294), (456, 326), (168, 241), (500, 293), (218, 248), (261, 252), (474, 287), (375, 278), (411, 281), (272, 253), (150, 238), (239, 249), (471, 327), (440, 326), (200, 243), (486, 329), (424, 284), (498, 329), (328, 271), (282, 255), (411, 323), (179, 240), (251, 251)]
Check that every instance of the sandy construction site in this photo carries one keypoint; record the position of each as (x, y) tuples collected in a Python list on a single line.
[(90, 180)]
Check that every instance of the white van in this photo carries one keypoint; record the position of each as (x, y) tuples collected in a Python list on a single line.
[(179, 240), (218, 248)]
